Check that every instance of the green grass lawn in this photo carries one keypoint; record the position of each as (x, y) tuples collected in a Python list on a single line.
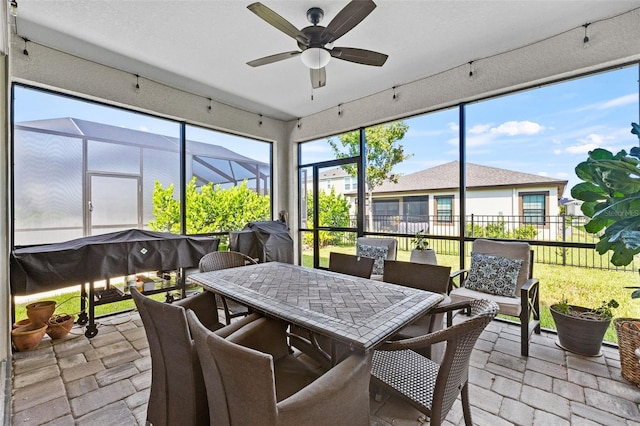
[(581, 286)]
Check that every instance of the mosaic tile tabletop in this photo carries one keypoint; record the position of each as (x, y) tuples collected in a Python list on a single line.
[(357, 311)]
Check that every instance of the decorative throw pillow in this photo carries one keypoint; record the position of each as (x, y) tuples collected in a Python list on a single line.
[(377, 253), (493, 274)]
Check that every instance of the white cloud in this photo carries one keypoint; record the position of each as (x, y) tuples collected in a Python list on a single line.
[(479, 128), (584, 146), (620, 101), (514, 128), (543, 174), (453, 126)]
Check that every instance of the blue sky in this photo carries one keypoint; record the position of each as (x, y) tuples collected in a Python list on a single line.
[(545, 131)]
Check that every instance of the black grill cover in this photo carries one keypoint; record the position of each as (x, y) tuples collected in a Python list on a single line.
[(266, 241), (48, 267)]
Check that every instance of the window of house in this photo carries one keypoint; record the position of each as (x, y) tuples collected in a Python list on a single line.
[(533, 208), (328, 183), (444, 209), (416, 209), (350, 183), (386, 208)]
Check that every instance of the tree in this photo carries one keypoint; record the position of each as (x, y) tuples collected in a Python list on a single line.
[(383, 153), (333, 209), (209, 208)]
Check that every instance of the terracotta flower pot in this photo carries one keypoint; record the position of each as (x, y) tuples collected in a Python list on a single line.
[(21, 323), (60, 325), (40, 312), (27, 338)]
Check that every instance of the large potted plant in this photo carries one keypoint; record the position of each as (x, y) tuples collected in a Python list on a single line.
[(610, 192), (421, 252), (581, 330)]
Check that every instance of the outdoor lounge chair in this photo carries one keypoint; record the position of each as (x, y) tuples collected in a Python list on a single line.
[(223, 260), (177, 388), (252, 379), (379, 249), (432, 387), (524, 302)]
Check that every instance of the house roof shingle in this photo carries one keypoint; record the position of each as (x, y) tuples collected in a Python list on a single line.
[(445, 176)]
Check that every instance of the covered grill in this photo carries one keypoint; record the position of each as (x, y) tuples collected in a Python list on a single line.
[(265, 241)]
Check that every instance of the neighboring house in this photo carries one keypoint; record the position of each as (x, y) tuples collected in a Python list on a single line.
[(572, 207), (429, 199), (338, 179)]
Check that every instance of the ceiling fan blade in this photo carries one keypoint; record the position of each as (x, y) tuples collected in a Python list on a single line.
[(359, 56), (318, 77), (273, 58), (350, 16), (278, 21)]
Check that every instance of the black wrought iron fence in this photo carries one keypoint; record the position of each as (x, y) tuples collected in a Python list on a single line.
[(559, 240)]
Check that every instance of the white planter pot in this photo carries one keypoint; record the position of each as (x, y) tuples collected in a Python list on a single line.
[(423, 256)]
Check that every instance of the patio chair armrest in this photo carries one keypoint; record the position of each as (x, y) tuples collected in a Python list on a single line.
[(237, 325), (418, 342), (529, 287), (204, 306), (459, 274), (265, 335), (339, 396), (444, 307)]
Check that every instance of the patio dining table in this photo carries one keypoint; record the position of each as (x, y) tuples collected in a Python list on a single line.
[(359, 312)]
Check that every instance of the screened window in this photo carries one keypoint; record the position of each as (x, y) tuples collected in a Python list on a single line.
[(415, 208), (82, 168), (533, 208), (386, 208), (444, 209)]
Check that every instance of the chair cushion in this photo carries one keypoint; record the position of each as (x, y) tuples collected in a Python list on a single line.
[(377, 253), (510, 249), (508, 305), (493, 274)]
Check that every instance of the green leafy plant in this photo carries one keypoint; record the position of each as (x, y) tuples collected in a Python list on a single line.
[(210, 208), (420, 240), (603, 311), (333, 209), (611, 198)]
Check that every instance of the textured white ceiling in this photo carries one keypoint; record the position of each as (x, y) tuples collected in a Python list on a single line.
[(203, 46)]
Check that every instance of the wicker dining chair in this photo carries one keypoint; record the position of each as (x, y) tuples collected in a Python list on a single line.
[(351, 265), (177, 394), (253, 379), (423, 276), (223, 260), (432, 387)]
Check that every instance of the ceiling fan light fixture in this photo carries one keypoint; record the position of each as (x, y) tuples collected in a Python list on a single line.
[(315, 57)]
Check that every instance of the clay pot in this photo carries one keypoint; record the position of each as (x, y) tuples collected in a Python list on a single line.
[(28, 337), (40, 312), (60, 325), (21, 323)]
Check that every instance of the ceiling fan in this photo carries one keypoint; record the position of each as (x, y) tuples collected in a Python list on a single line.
[(316, 42)]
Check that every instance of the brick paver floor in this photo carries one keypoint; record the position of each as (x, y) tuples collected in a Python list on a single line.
[(106, 380)]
